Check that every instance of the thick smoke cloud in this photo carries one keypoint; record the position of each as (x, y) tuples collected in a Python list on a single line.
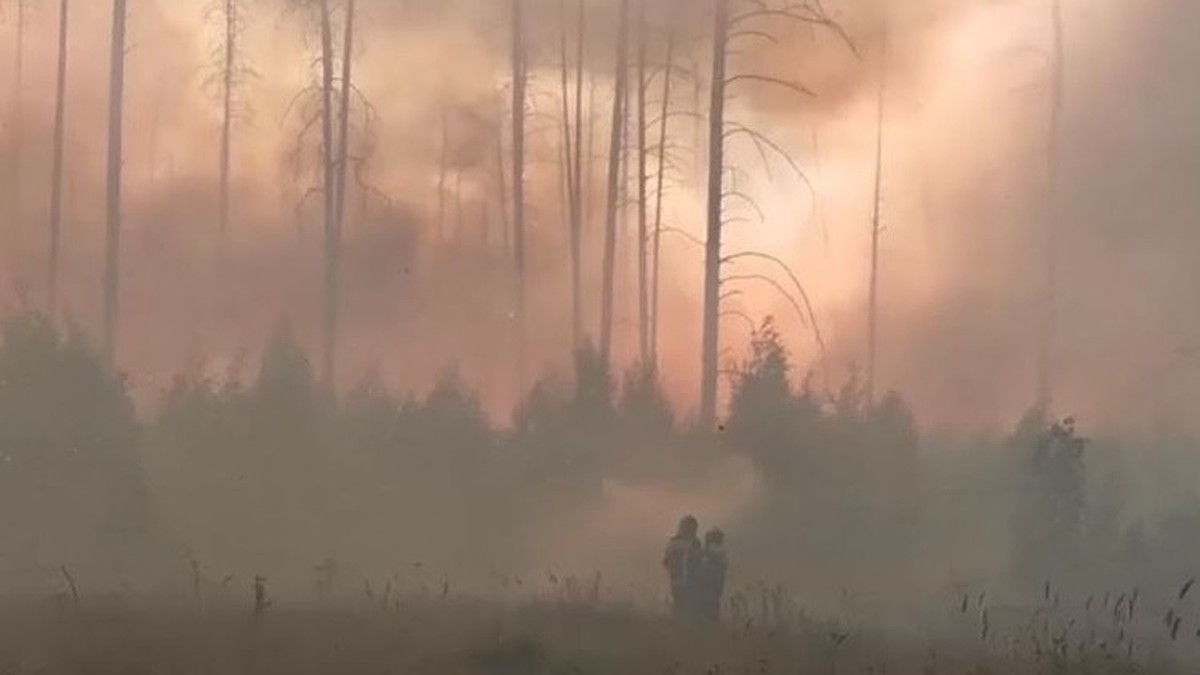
[(964, 204)]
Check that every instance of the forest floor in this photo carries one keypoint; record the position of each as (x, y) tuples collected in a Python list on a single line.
[(464, 638)]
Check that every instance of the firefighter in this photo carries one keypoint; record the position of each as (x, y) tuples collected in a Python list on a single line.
[(681, 559)]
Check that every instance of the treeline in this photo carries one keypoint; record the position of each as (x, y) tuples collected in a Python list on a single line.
[(276, 476)]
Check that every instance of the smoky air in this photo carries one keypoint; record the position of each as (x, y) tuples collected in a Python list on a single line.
[(545, 336)]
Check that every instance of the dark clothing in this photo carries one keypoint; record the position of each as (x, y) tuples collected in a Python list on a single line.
[(710, 581), (682, 559)]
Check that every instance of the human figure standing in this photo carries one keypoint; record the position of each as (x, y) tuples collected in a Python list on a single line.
[(681, 560), (710, 574)]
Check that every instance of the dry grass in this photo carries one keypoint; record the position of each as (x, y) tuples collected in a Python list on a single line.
[(466, 638)]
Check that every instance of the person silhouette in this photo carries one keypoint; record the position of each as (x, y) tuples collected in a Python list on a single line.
[(681, 559), (713, 564)]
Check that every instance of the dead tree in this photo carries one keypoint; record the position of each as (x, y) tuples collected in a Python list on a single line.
[(572, 150), (716, 188), (612, 204), (229, 51), (660, 188), (643, 232), (519, 83), (502, 185), (329, 179), (335, 160), (56, 171), (347, 87), (728, 28), (335, 165), (876, 231), (443, 170), (577, 221), (116, 125), (17, 112)]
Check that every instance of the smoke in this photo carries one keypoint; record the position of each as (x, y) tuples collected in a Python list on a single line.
[(964, 196), (428, 259)]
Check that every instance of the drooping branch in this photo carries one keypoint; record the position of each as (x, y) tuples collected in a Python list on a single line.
[(801, 292), (800, 309)]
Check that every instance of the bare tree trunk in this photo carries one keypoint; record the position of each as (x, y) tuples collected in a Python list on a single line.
[(443, 171), (580, 56), (656, 291), (614, 177), (347, 89), (698, 119), (518, 178), (227, 76), (56, 176), (116, 125), (590, 161), (459, 227), (1046, 340), (712, 264), (571, 151), (505, 233), (336, 169), (643, 254), (877, 206), (328, 165), (485, 222), (17, 112)]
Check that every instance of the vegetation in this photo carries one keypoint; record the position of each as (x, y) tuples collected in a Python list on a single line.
[(438, 636), (274, 475)]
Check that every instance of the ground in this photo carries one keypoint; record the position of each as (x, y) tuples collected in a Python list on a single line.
[(436, 637)]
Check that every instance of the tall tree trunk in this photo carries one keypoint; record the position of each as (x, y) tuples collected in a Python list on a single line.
[(485, 222), (698, 120), (116, 127), (443, 171), (571, 150), (336, 167), (1046, 339), (227, 77), (459, 226), (579, 214), (710, 352), (643, 231), (56, 175), (665, 111), (17, 113), (328, 166), (505, 229), (614, 188), (877, 206), (589, 168), (580, 56), (343, 166), (518, 179)]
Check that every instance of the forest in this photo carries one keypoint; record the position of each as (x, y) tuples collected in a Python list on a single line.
[(399, 334)]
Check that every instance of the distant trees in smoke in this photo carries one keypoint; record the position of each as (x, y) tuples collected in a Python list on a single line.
[(647, 41), (273, 474), (631, 52)]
